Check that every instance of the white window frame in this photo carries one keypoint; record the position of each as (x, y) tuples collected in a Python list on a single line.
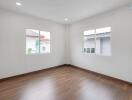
[(95, 38), (39, 43)]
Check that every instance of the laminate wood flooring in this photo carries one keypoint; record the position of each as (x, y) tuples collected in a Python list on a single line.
[(64, 83)]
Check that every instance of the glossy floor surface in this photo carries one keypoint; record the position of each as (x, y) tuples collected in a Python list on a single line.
[(64, 83)]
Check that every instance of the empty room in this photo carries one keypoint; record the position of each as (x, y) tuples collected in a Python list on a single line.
[(65, 50)]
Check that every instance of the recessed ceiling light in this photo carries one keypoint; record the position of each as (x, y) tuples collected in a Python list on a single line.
[(18, 4), (66, 19)]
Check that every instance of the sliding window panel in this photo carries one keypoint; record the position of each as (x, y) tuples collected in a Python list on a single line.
[(89, 41), (32, 41), (103, 41), (44, 42)]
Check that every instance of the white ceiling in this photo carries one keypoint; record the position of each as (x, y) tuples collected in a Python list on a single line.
[(57, 10)]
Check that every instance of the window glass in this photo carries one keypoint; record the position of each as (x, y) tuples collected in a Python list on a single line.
[(44, 42), (89, 41), (32, 41), (103, 41)]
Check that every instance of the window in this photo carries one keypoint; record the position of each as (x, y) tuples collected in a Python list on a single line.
[(98, 41), (37, 41)]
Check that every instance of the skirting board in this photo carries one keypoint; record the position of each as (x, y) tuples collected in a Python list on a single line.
[(29, 73), (101, 75), (68, 65)]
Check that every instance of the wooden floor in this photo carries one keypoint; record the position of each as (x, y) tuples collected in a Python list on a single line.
[(64, 83)]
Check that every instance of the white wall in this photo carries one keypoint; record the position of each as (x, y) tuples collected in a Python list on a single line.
[(119, 65), (13, 59), (66, 44)]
